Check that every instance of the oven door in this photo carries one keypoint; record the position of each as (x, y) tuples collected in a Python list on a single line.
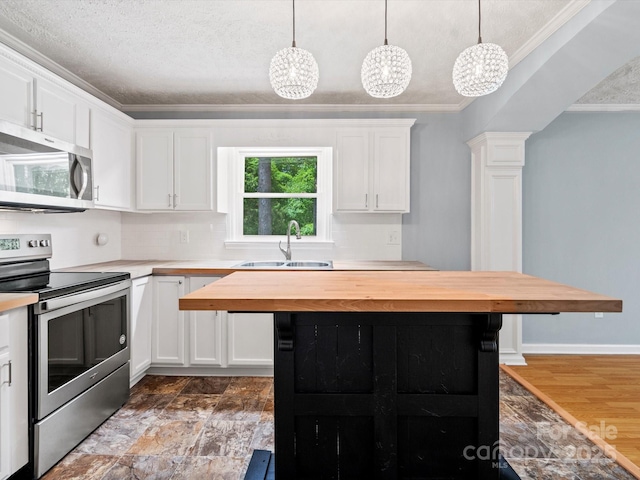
[(81, 338)]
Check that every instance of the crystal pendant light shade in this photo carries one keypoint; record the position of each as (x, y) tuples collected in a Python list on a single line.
[(386, 71), (293, 73), (480, 70)]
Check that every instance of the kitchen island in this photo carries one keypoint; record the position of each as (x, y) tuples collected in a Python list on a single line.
[(389, 375)]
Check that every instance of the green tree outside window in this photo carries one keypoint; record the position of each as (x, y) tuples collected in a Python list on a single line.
[(280, 178)]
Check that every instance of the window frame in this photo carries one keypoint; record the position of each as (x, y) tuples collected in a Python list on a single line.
[(323, 195)]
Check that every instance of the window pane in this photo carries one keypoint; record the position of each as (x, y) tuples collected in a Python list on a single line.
[(280, 174), (271, 216)]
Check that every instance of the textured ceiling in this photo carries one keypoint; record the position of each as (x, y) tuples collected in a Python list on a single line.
[(622, 87), (218, 51)]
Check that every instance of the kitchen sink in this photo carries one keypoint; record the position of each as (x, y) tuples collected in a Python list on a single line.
[(260, 264), (290, 264), (309, 264)]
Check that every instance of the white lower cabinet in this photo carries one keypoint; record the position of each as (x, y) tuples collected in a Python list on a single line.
[(140, 326), (14, 421), (206, 338), (205, 330), (167, 347), (250, 339)]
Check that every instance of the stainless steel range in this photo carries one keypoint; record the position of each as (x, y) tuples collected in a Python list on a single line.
[(78, 346)]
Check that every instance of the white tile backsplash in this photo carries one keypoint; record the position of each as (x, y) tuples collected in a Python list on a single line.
[(156, 236), (73, 234)]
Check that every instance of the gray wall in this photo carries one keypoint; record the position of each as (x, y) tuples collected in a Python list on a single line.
[(438, 229), (581, 222)]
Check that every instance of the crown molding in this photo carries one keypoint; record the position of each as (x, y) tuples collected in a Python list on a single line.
[(23, 49), (604, 107), (562, 17), (302, 107)]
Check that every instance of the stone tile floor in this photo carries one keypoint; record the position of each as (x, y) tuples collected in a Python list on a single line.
[(207, 427)]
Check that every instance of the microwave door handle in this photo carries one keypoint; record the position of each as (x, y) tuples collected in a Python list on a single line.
[(85, 178)]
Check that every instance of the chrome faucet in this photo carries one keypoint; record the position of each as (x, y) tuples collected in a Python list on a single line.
[(287, 252)]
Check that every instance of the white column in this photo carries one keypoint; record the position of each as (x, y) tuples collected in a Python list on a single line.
[(497, 159)]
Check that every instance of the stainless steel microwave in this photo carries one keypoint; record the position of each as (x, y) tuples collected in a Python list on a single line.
[(40, 173)]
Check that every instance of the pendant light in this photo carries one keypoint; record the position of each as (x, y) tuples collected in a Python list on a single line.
[(386, 71), (293, 71), (480, 69)]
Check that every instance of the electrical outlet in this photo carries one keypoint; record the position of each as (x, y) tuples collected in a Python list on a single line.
[(394, 237), (599, 315), (184, 236)]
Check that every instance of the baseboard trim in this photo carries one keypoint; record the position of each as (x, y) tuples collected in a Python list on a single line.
[(512, 358), (579, 349)]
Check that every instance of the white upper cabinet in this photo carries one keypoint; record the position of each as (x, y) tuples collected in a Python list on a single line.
[(16, 92), (61, 114), (112, 145), (390, 170), (174, 169), (32, 101), (372, 170), (351, 186)]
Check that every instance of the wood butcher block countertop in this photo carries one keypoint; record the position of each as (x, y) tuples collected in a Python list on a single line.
[(141, 268), (400, 291), (9, 301)]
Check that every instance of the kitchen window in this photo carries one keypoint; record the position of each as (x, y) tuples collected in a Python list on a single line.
[(269, 187)]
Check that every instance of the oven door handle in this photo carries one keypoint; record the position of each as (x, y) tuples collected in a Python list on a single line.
[(65, 301)]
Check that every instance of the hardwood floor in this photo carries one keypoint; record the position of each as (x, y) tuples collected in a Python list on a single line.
[(602, 391)]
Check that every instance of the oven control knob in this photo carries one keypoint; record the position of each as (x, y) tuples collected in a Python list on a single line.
[(44, 243), (123, 339), (33, 243)]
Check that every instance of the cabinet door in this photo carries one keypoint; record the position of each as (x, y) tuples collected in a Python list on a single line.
[(168, 328), (14, 418), (154, 169), (5, 415), (192, 170), (250, 339), (205, 330), (111, 145), (140, 325), (16, 94), (351, 185), (64, 116), (391, 170)]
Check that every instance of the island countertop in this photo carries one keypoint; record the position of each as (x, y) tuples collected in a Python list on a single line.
[(406, 291)]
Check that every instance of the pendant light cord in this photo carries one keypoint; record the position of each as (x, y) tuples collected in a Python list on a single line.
[(293, 44), (479, 19), (385, 23)]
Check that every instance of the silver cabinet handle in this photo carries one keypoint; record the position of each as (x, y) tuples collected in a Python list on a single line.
[(175, 200), (97, 187), (10, 373), (170, 200), (35, 120), (376, 200), (179, 282), (366, 200)]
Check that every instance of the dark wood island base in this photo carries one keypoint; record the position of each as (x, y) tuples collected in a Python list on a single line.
[(386, 395), (389, 376)]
